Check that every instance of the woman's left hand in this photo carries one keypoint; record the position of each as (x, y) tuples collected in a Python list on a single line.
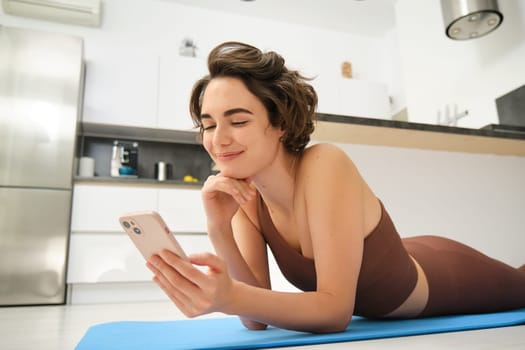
[(192, 290)]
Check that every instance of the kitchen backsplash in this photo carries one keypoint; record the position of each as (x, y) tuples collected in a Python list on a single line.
[(185, 159)]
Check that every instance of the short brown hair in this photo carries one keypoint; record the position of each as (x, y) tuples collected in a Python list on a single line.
[(290, 101)]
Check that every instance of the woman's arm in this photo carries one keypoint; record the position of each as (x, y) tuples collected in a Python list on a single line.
[(245, 255)]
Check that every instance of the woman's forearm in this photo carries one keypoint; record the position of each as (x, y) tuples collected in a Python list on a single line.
[(317, 312), (226, 248)]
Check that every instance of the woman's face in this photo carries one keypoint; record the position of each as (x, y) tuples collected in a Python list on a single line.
[(236, 130)]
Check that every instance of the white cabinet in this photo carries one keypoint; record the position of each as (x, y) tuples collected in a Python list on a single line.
[(100, 251), (97, 208), (361, 98), (112, 257), (141, 89), (177, 76), (352, 97), (182, 209), (121, 88)]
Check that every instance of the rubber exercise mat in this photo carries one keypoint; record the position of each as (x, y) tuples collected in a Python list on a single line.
[(228, 332)]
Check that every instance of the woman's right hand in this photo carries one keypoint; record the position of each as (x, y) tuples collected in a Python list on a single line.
[(222, 196)]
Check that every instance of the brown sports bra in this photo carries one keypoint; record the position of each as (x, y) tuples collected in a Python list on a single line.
[(387, 276)]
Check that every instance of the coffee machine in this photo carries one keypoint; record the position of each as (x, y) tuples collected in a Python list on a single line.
[(125, 159)]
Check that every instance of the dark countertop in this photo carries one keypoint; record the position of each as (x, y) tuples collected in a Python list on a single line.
[(491, 130)]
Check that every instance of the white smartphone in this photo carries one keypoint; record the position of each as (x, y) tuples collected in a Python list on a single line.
[(150, 234)]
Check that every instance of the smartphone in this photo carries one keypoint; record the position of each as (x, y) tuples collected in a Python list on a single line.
[(150, 234)]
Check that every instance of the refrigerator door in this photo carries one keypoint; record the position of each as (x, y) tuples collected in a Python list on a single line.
[(34, 236), (41, 79)]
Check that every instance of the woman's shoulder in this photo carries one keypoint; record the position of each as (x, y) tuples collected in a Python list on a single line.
[(325, 154), (326, 161)]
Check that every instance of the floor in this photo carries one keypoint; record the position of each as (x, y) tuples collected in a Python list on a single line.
[(62, 327)]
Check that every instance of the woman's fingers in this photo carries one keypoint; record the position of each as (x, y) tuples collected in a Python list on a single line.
[(193, 291), (179, 289), (187, 286), (241, 190)]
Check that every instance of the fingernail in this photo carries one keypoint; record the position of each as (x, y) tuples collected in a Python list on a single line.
[(154, 260)]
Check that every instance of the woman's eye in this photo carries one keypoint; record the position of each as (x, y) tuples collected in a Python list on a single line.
[(238, 123), (207, 127)]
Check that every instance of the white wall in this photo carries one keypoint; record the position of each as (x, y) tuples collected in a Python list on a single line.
[(153, 28), (393, 70), (472, 74), (477, 199)]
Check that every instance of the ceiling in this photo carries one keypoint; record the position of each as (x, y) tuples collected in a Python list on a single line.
[(359, 17)]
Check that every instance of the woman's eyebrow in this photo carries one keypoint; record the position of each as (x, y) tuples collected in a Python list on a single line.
[(232, 111), (228, 113)]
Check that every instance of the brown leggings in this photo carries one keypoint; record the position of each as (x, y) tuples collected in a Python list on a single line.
[(462, 280)]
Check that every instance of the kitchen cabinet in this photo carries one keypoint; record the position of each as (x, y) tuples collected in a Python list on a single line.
[(144, 90), (177, 76), (352, 97), (182, 209), (112, 257), (121, 88), (97, 208), (100, 251)]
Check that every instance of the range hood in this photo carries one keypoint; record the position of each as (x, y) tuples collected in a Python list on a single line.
[(470, 19), (82, 12)]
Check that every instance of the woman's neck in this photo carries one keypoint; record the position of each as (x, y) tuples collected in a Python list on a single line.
[(276, 183)]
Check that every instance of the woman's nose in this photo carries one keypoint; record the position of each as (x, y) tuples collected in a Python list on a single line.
[(222, 135)]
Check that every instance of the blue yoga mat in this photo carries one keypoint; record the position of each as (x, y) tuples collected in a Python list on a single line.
[(228, 333)]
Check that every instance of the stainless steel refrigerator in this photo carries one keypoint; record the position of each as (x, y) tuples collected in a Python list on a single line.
[(41, 87)]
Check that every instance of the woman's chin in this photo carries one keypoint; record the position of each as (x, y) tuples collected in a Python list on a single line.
[(234, 174)]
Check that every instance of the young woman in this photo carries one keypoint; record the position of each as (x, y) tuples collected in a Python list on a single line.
[(333, 239)]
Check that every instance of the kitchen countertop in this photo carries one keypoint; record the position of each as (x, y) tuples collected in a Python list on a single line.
[(382, 132)]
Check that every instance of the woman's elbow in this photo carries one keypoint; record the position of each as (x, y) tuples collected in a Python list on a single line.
[(336, 324), (254, 325)]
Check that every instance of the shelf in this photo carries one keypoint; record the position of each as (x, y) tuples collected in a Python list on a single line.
[(139, 134), (106, 180)]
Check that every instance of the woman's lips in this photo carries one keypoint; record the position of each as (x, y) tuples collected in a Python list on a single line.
[(226, 156)]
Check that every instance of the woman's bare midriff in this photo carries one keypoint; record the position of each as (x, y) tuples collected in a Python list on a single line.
[(416, 301)]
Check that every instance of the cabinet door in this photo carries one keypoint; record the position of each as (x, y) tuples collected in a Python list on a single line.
[(97, 208), (112, 257), (182, 209), (121, 88), (361, 98), (177, 76)]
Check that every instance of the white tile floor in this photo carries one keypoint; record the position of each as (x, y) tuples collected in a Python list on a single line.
[(62, 327)]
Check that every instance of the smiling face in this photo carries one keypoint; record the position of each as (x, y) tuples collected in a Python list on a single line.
[(236, 131)]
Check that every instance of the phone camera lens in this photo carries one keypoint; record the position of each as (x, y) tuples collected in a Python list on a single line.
[(137, 230), (126, 224)]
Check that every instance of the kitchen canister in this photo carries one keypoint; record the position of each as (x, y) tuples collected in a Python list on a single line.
[(162, 171), (86, 167)]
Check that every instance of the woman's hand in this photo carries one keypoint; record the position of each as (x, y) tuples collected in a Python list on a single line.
[(193, 291), (221, 197)]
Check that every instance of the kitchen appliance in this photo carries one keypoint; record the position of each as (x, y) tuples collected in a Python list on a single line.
[(125, 159), (41, 87), (470, 19)]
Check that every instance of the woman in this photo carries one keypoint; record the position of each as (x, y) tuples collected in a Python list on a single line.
[(332, 239)]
